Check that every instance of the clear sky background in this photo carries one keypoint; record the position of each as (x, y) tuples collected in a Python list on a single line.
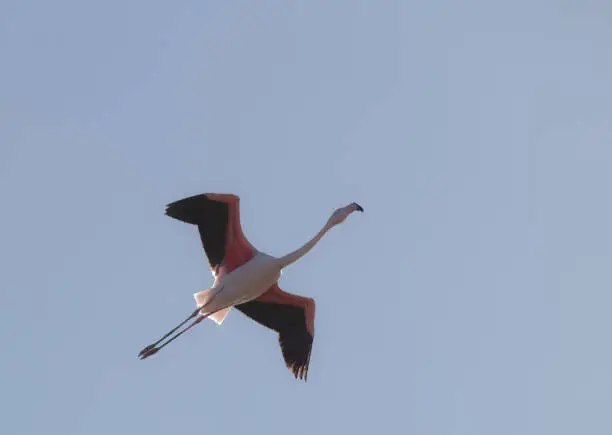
[(472, 296)]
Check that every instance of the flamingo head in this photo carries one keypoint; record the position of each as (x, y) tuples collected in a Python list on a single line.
[(342, 213)]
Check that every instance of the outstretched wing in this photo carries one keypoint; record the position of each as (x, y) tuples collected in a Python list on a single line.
[(289, 320), (217, 217)]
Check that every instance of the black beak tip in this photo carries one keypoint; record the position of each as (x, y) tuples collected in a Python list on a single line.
[(359, 208)]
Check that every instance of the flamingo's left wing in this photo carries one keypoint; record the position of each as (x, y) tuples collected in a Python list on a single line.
[(217, 217), (289, 320)]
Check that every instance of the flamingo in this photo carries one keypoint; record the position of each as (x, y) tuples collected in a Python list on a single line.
[(247, 279)]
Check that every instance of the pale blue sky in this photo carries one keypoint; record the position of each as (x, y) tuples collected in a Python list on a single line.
[(471, 298)]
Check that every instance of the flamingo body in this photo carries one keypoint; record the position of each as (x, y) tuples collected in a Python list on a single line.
[(247, 279), (241, 285)]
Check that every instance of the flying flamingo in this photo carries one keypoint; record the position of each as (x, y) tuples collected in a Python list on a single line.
[(247, 279)]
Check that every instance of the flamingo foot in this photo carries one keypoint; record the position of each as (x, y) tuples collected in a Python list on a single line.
[(145, 352), (149, 352)]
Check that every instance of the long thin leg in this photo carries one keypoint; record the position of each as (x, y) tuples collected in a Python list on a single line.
[(154, 350), (150, 347), (195, 322)]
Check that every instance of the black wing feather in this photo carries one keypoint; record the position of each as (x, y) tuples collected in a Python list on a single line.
[(290, 323), (211, 218)]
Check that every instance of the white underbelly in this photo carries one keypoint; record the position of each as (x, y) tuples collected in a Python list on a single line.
[(243, 284)]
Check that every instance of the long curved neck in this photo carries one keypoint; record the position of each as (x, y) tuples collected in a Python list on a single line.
[(296, 255)]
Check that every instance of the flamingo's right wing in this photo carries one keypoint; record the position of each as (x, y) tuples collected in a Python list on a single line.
[(292, 317), (217, 217)]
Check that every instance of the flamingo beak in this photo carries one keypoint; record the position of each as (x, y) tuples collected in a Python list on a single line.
[(359, 208)]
